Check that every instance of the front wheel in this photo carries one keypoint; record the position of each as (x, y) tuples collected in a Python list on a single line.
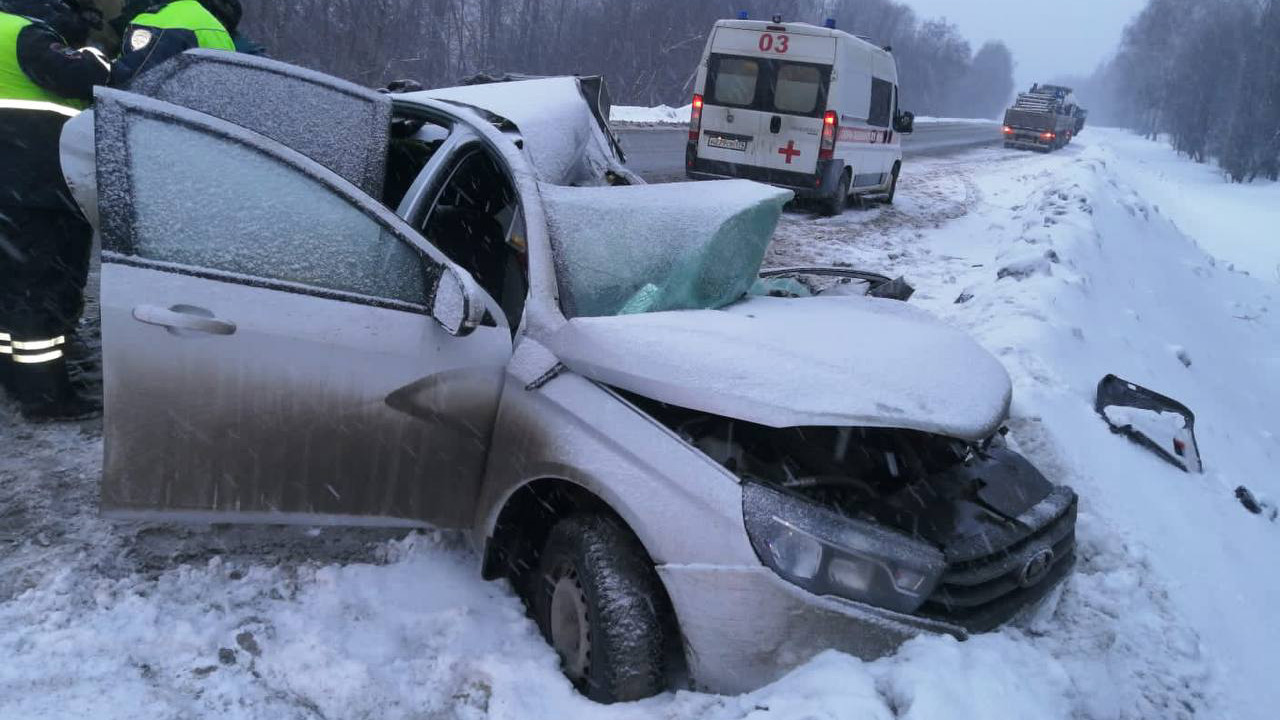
[(600, 604), (836, 204)]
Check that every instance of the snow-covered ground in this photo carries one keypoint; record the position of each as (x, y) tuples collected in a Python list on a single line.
[(660, 115), (1067, 271), (1239, 224)]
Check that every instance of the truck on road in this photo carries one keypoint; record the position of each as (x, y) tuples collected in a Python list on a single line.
[(1046, 118)]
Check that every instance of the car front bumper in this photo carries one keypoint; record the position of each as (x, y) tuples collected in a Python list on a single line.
[(1027, 141), (745, 627)]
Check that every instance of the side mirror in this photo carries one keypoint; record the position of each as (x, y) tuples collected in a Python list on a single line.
[(904, 122), (458, 305)]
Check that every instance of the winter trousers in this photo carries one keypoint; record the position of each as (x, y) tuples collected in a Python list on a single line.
[(44, 265)]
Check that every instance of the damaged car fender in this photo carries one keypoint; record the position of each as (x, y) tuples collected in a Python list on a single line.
[(570, 429)]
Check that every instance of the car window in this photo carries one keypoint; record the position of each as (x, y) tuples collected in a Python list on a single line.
[(338, 124), (797, 89), (206, 201), (414, 141), (735, 80), (881, 103), (768, 85), (476, 221)]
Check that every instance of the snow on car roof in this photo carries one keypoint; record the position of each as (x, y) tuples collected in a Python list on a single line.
[(561, 136)]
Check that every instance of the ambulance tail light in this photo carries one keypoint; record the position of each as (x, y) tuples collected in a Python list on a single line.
[(695, 119), (830, 129)]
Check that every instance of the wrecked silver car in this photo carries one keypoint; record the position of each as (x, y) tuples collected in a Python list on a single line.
[(334, 306)]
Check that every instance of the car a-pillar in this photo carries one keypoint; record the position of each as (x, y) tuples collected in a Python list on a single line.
[(590, 585)]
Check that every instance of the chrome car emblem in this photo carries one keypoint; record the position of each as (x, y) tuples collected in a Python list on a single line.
[(1036, 569)]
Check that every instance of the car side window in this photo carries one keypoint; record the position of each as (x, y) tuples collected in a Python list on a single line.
[(476, 220), (206, 201)]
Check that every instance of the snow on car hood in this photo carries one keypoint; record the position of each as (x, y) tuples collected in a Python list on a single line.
[(562, 137), (862, 362)]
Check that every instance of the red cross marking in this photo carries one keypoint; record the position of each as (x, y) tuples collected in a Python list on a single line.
[(790, 151)]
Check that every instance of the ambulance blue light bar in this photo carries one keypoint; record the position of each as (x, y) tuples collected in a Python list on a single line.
[(830, 23), (744, 15)]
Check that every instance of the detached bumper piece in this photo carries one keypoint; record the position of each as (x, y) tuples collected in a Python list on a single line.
[(988, 583)]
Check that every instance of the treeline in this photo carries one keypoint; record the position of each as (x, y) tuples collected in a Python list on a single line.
[(1204, 72), (647, 49)]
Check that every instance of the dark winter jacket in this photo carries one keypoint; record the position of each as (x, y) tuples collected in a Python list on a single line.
[(74, 20), (42, 83), (166, 29)]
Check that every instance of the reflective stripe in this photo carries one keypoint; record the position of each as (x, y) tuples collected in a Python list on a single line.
[(96, 54), (38, 359), (5, 337), (6, 350), (39, 105), (40, 344)]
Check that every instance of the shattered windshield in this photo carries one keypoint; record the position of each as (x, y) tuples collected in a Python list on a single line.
[(650, 248)]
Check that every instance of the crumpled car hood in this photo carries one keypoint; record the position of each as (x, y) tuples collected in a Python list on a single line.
[(851, 361)]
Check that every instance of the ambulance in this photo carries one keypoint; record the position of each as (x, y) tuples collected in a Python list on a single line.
[(812, 109)]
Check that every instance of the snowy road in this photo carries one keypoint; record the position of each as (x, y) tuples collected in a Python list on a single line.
[(1057, 264)]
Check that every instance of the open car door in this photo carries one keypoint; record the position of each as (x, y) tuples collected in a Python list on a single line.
[(273, 338), (341, 125)]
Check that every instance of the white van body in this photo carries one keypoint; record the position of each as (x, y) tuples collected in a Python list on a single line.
[(765, 91)]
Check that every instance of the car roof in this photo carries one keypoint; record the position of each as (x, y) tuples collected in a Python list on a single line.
[(557, 129)]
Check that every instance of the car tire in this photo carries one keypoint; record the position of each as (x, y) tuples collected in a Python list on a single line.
[(893, 185), (601, 606), (836, 204)]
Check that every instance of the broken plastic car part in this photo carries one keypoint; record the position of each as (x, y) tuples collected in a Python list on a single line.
[(1154, 421), (880, 286)]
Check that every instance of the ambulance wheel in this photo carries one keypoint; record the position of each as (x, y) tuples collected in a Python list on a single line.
[(836, 204), (893, 185)]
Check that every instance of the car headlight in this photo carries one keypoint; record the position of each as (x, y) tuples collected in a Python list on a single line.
[(829, 554)]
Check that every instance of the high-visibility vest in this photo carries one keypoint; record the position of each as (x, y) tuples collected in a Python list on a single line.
[(17, 90), (183, 15)]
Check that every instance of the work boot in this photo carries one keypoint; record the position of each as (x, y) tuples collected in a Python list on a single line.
[(45, 392), (71, 406)]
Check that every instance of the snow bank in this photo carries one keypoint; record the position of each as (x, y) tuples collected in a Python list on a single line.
[(1170, 613), (667, 115), (660, 115), (926, 119), (1237, 224)]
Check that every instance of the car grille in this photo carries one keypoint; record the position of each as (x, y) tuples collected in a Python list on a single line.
[(981, 593)]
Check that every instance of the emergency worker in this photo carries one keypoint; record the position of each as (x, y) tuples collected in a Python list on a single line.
[(44, 240), (154, 32)]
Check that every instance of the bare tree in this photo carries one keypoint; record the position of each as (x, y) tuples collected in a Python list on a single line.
[(648, 49)]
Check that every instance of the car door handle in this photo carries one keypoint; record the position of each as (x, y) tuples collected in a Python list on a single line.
[(183, 317)]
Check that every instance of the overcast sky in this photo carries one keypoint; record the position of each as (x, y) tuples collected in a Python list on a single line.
[(1048, 39)]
